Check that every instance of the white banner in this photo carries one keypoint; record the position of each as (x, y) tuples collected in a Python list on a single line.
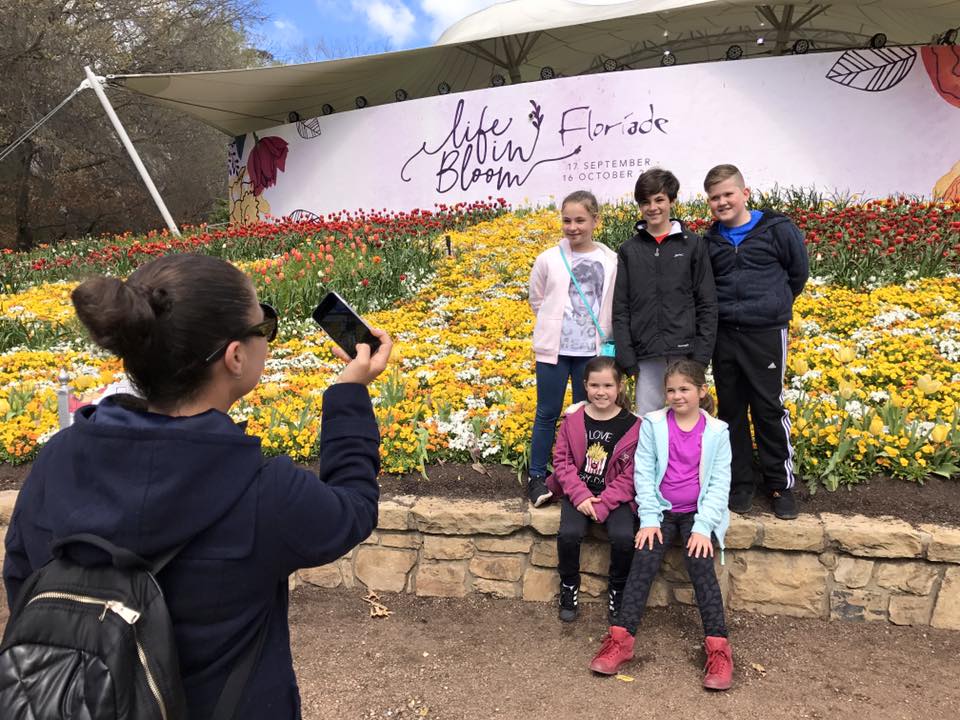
[(868, 122)]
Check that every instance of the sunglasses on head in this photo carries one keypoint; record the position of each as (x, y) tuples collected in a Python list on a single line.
[(266, 329)]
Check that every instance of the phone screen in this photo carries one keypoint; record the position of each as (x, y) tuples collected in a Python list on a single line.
[(343, 325)]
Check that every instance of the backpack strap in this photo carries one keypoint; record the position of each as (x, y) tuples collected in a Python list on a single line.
[(583, 297), (122, 558), (233, 688)]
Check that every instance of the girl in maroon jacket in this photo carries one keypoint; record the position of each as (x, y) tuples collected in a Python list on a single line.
[(593, 472)]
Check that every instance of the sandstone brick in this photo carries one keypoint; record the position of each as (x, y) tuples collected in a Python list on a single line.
[(497, 588), (873, 537), (497, 567), (829, 560), (393, 516), (674, 568), (910, 609), (944, 543), (8, 499), (467, 517), (544, 553), (545, 520), (441, 579), (778, 583), (946, 613), (853, 572), (593, 588), (401, 539), (741, 534), (346, 573), (540, 585), (437, 547), (858, 605), (684, 595), (803, 533), (660, 594), (911, 577), (325, 576), (373, 539), (381, 568), (595, 558), (520, 542)]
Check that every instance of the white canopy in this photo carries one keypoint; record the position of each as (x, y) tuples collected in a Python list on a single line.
[(526, 40)]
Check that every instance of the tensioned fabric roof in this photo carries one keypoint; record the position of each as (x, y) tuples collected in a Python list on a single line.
[(525, 40)]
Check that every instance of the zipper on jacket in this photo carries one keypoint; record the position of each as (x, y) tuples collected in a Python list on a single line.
[(125, 613)]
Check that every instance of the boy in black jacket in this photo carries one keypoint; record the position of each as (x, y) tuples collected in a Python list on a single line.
[(664, 303), (760, 266)]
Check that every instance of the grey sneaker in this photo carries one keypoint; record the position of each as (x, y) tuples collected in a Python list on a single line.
[(569, 602), (537, 491)]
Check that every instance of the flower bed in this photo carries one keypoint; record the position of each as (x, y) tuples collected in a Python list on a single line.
[(873, 382)]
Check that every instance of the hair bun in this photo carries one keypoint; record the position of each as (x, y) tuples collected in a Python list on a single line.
[(160, 301), (118, 315)]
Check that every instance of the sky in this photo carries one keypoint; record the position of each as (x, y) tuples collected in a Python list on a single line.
[(353, 27)]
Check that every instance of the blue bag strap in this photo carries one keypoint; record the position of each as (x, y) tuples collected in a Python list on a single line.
[(603, 336)]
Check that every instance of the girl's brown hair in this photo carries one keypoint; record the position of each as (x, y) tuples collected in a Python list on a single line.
[(694, 372), (585, 198), (605, 362)]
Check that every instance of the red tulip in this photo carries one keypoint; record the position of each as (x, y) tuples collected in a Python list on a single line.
[(268, 157)]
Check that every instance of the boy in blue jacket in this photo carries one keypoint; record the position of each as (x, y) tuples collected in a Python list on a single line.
[(760, 266)]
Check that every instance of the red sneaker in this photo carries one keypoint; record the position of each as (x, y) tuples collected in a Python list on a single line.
[(617, 648), (719, 668)]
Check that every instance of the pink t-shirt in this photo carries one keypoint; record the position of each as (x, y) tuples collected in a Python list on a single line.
[(681, 482)]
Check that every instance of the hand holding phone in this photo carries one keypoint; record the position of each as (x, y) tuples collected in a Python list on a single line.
[(366, 350)]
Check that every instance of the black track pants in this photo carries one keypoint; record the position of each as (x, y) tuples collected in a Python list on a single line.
[(646, 563), (748, 371), (573, 527)]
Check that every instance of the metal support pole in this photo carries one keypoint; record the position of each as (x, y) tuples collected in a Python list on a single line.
[(96, 84), (64, 418)]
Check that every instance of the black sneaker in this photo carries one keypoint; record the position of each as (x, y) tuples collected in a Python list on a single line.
[(784, 504), (569, 602), (614, 603), (741, 499), (537, 491)]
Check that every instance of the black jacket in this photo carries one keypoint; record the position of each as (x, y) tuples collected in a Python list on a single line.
[(664, 303), (151, 482), (758, 281)]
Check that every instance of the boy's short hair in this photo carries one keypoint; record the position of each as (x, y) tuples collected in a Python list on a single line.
[(656, 180), (719, 173)]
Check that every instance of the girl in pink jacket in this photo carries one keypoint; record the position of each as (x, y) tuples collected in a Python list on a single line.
[(593, 472)]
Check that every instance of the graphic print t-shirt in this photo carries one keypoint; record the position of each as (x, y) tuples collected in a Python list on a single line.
[(602, 438), (578, 334)]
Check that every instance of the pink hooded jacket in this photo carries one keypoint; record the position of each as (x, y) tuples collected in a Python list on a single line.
[(550, 294), (570, 453)]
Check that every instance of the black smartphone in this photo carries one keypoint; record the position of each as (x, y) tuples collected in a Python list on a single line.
[(343, 325)]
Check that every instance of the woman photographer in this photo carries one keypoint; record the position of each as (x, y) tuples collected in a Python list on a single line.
[(174, 470)]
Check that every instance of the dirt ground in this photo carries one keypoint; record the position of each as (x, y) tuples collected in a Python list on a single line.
[(481, 659)]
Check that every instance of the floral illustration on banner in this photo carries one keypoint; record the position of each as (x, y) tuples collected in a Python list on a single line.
[(873, 70), (943, 66), (245, 205), (267, 158), (948, 187)]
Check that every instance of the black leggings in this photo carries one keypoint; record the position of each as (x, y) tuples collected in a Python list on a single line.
[(646, 563), (574, 525)]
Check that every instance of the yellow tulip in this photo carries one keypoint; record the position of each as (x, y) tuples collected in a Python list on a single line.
[(846, 354), (800, 366), (876, 425), (927, 385), (939, 433), (846, 389)]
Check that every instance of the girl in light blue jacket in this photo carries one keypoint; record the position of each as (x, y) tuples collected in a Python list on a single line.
[(682, 480)]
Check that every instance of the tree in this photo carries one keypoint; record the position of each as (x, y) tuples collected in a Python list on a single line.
[(73, 176)]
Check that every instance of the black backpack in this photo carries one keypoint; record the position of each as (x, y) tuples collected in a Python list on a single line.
[(96, 643)]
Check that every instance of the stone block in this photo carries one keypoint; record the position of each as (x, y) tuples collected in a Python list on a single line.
[(401, 539), (946, 613), (910, 609), (916, 578), (829, 560), (593, 587), (438, 547), (595, 558), (373, 539), (684, 595), (853, 572), (498, 567), (674, 568), (660, 595), (545, 520), (741, 534), (440, 516), (803, 533), (8, 498), (540, 585), (325, 576), (944, 543), (544, 553), (520, 542), (873, 537), (393, 516), (497, 588), (441, 579), (381, 568), (778, 583), (858, 605), (346, 572)]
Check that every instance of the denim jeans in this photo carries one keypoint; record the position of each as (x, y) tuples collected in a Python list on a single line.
[(551, 387)]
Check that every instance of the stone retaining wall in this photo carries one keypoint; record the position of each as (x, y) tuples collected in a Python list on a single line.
[(831, 566)]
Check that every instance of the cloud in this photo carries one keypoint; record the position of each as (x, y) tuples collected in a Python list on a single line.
[(285, 32), (390, 18)]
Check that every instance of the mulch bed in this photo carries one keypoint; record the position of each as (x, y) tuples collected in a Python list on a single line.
[(936, 501)]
